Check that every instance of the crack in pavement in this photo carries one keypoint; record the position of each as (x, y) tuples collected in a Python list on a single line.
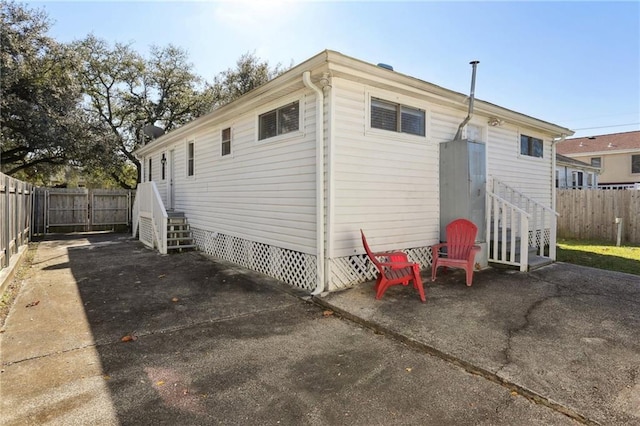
[(467, 366)]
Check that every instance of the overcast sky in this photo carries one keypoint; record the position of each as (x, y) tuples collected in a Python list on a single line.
[(576, 64)]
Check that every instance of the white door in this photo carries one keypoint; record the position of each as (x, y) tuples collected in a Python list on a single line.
[(171, 186)]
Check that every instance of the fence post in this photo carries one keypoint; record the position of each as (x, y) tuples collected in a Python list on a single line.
[(6, 238)]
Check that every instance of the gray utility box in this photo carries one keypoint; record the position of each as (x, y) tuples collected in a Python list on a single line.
[(463, 184)]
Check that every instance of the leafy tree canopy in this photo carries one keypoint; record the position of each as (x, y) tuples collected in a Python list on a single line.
[(41, 126), (85, 104)]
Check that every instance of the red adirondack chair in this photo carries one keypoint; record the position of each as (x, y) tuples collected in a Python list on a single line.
[(394, 268), (460, 250)]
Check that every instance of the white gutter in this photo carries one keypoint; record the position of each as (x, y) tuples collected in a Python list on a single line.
[(553, 170), (320, 225)]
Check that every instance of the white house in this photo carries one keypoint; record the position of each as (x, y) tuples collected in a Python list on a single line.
[(282, 179), (575, 174)]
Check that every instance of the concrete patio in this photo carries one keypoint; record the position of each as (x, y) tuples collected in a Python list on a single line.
[(208, 342)]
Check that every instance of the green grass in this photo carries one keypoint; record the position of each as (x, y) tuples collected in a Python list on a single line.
[(602, 255)]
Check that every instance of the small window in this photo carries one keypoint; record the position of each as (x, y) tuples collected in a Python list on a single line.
[(596, 161), (635, 163), (190, 158), (150, 172), (397, 118), (226, 141), (531, 146), (279, 121), (163, 168)]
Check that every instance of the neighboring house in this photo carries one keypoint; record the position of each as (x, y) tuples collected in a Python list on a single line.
[(575, 174), (617, 155), (282, 180)]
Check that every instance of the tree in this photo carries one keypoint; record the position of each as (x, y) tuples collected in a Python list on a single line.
[(125, 92), (250, 72), (41, 125)]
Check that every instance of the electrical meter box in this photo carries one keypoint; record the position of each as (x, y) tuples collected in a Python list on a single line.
[(463, 182)]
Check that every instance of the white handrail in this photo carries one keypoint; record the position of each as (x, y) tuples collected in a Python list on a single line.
[(541, 215), (150, 206), (507, 222)]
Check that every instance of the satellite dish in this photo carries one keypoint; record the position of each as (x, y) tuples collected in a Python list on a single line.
[(153, 131)]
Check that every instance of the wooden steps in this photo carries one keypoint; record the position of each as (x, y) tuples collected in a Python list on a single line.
[(179, 236)]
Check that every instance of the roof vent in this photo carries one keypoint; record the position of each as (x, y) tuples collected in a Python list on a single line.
[(385, 66), (591, 137), (611, 145)]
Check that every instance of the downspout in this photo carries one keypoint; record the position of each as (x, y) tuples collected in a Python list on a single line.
[(320, 225), (474, 64), (553, 170)]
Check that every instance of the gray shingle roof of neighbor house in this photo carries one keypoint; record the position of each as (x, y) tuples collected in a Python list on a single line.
[(614, 142), (568, 160)]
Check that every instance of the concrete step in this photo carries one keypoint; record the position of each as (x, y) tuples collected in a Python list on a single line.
[(536, 262)]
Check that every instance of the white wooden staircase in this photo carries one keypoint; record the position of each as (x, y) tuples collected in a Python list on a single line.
[(179, 236), (520, 230)]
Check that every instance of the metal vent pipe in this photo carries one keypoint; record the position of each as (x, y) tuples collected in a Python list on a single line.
[(472, 96)]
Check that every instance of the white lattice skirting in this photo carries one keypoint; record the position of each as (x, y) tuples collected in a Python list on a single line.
[(541, 237), (295, 268), (348, 271), (145, 229)]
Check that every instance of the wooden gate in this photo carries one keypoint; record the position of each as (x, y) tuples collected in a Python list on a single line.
[(75, 210)]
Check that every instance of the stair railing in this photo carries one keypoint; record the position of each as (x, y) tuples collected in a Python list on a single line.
[(541, 217), (151, 208), (507, 231)]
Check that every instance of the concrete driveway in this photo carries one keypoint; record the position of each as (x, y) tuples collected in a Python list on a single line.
[(206, 342)]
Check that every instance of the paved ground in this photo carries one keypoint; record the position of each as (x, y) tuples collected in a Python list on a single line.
[(214, 343)]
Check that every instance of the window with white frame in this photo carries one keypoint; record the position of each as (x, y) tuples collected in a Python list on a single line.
[(191, 158), (531, 146), (150, 172), (596, 161), (635, 163), (226, 141), (163, 168), (396, 117), (279, 121)]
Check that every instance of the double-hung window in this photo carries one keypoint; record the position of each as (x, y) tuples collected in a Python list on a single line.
[(635, 163), (150, 172), (279, 121), (395, 117), (531, 146), (190, 158), (226, 141), (596, 161)]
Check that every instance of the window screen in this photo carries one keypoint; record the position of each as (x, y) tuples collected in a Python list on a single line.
[(279, 121), (190, 159), (384, 115), (226, 141), (531, 146), (635, 164)]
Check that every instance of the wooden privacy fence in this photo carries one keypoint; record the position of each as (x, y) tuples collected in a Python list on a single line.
[(15, 216), (592, 213), (73, 210)]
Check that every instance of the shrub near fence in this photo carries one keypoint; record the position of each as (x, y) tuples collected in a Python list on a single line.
[(15, 217), (591, 214)]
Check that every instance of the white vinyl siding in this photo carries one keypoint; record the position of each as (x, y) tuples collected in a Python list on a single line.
[(264, 193), (385, 185), (529, 175)]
